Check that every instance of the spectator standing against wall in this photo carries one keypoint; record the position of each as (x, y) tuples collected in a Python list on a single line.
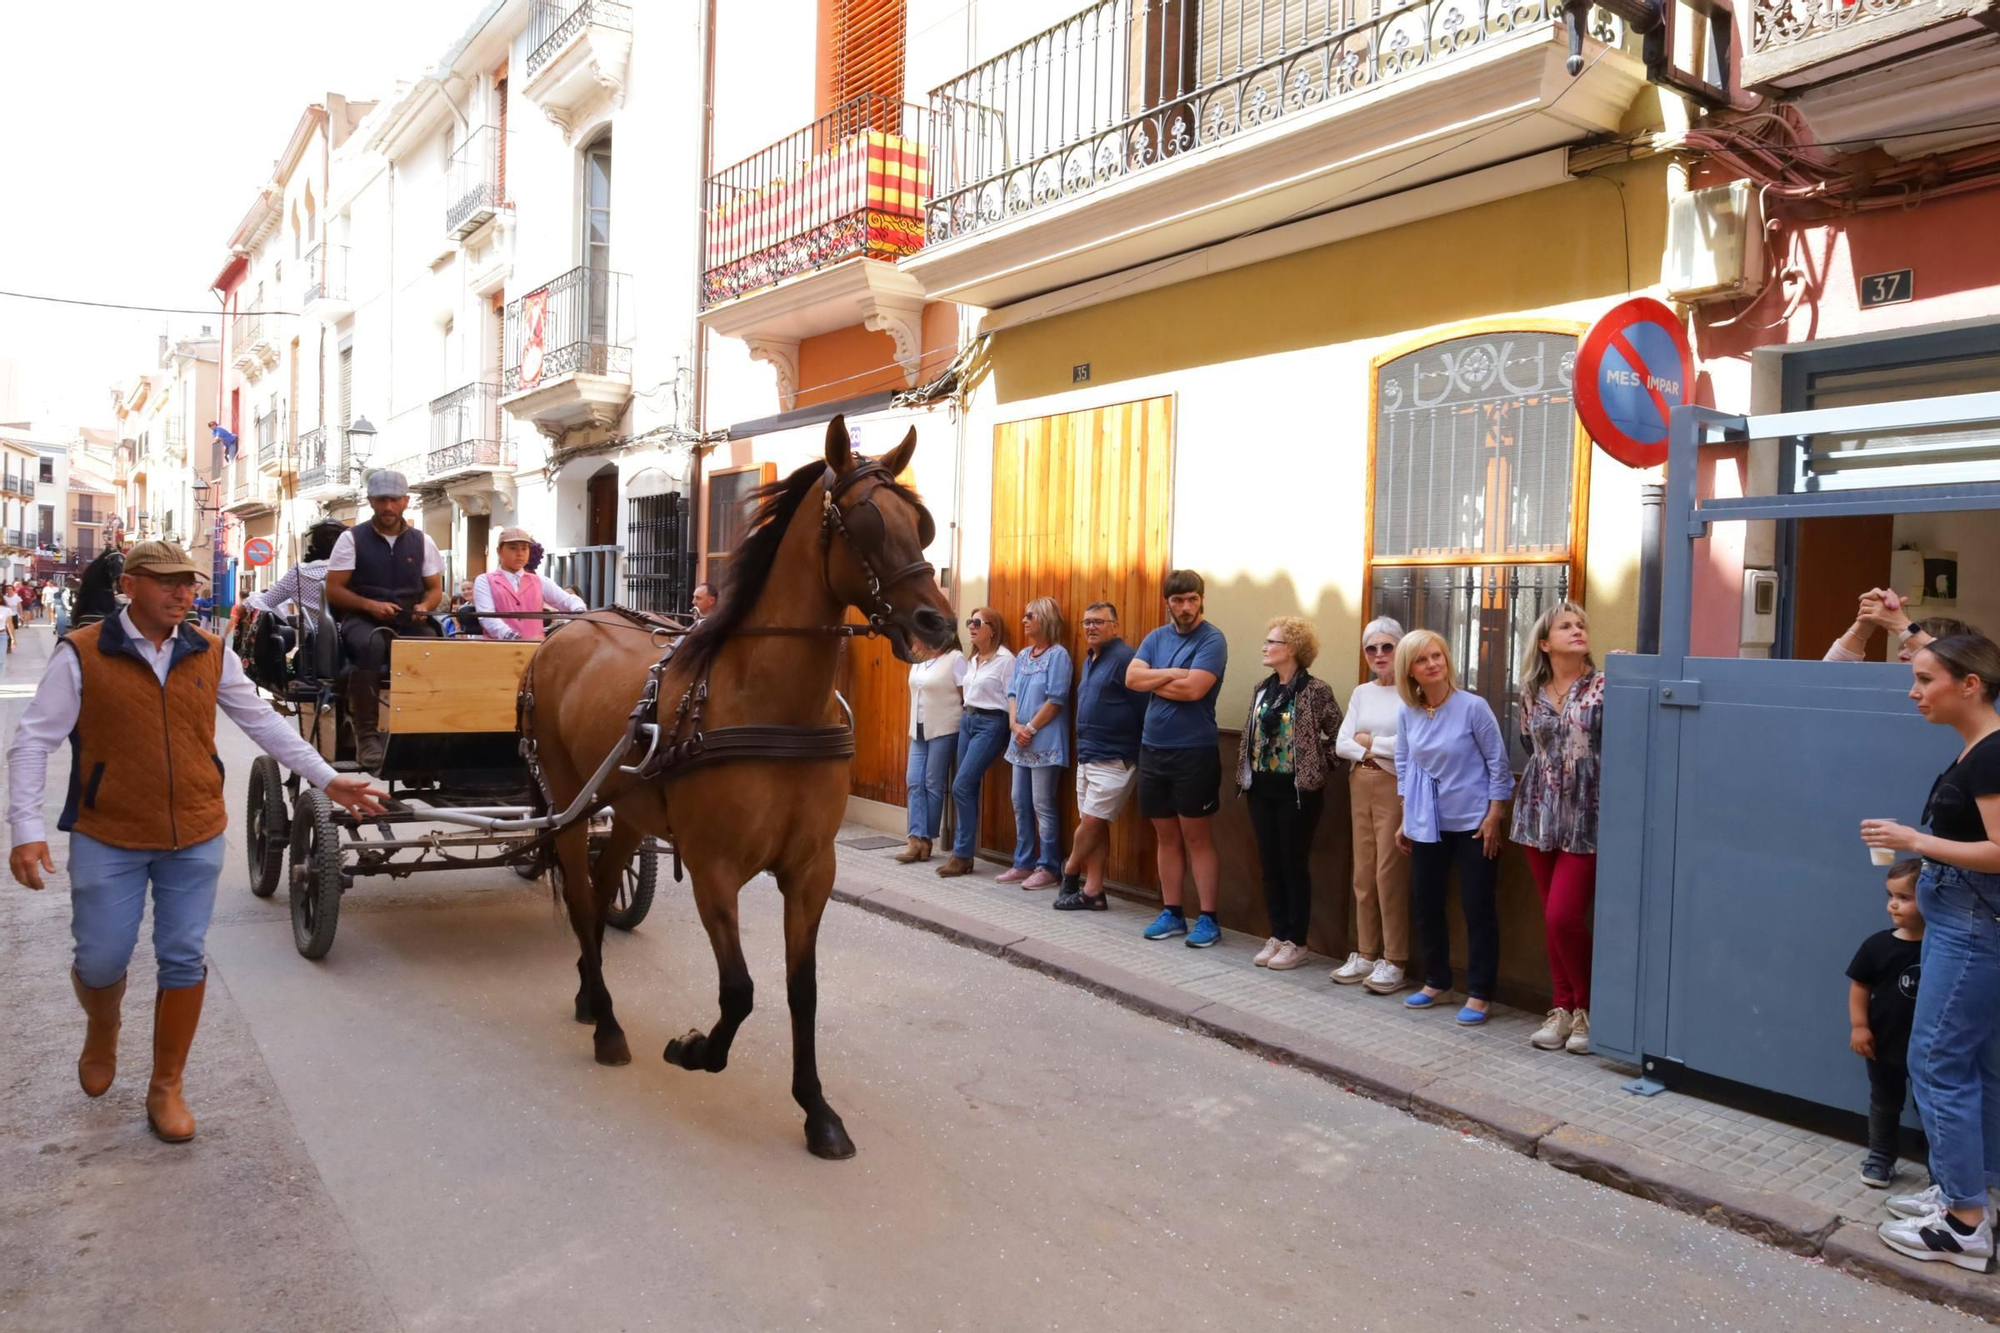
[(935, 712), (1180, 665), (1555, 808), (982, 730), (1451, 767), (1367, 742), (1038, 745), (1109, 716), (1282, 766), (1957, 1083)]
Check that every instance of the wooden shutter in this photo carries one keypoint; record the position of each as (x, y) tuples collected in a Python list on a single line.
[(500, 149), (868, 49)]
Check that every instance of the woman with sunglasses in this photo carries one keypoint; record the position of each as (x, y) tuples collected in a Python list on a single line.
[(1367, 741), (982, 729), (1957, 1023), (1039, 749)]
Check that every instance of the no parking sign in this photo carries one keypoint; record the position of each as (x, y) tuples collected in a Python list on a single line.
[(257, 551), (1633, 369)]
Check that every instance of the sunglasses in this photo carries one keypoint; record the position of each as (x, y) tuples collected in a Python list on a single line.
[(1379, 648), (975, 623)]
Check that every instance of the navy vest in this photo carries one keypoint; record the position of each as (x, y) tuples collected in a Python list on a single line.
[(388, 572)]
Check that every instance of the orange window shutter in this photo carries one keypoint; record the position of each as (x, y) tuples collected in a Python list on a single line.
[(868, 49)]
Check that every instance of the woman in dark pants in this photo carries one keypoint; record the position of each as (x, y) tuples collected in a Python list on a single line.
[(1282, 766), (1451, 768)]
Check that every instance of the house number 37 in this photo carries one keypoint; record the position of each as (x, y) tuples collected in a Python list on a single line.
[(1887, 288)]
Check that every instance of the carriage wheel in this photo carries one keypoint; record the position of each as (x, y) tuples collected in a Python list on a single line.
[(267, 826), (316, 874), (635, 891)]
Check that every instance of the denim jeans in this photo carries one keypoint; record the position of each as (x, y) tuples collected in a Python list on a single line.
[(1035, 815), (930, 762), (1955, 1039), (982, 738), (107, 898)]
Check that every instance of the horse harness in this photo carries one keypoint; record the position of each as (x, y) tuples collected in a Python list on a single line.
[(685, 745)]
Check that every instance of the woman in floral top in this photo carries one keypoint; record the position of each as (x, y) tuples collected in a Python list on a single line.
[(1555, 808)]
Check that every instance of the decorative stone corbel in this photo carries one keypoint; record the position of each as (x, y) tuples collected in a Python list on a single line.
[(782, 355), (903, 321)]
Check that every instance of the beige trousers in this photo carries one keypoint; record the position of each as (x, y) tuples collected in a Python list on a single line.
[(1381, 873)]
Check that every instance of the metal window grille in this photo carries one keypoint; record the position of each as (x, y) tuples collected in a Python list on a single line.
[(659, 554)]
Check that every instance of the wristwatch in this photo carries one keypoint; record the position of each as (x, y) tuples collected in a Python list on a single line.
[(1908, 631)]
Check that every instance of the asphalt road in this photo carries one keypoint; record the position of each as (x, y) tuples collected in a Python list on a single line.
[(412, 1134)]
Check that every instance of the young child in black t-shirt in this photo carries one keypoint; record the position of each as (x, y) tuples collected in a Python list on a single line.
[(1881, 1002)]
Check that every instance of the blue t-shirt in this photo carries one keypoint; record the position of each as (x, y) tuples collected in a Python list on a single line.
[(1173, 724)]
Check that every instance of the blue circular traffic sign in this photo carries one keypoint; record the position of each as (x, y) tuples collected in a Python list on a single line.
[(1633, 369)]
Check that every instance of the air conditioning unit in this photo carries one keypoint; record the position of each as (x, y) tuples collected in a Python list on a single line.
[(1715, 244)]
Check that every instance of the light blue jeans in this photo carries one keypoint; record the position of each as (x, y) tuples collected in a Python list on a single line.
[(107, 898), (982, 738), (930, 761), (1035, 813), (1955, 1038)]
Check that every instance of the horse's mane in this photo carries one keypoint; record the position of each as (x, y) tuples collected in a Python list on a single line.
[(750, 563)]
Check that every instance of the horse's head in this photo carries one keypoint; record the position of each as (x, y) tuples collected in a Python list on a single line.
[(876, 531)]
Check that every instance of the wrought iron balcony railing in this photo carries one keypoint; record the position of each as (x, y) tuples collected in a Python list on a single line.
[(326, 273), (89, 514), (246, 330), (267, 438), (854, 182), (322, 458), (554, 24), (575, 325), (476, 184), (465, 431), (1126, 85)]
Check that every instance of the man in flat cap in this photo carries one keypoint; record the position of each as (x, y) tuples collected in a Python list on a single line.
[(135, 696), (502, 595), (383, 573)]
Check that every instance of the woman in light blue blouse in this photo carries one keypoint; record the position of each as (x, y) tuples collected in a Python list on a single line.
[(1039, 748), (1451, 768)]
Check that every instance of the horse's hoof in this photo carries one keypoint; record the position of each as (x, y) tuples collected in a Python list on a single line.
[(613, 1051), (828, 1139), (687, 1051), (583, 1013)]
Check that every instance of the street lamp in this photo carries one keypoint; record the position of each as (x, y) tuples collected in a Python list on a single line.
[(360, 445)]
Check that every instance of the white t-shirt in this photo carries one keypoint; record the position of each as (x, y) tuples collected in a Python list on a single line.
[(1378, 710), (934, 701), (986, 683), (343, 550)]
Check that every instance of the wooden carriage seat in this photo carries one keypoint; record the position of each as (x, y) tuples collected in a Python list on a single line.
[(453, 686)]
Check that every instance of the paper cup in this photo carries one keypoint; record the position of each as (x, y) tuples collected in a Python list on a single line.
[(1882, 856)]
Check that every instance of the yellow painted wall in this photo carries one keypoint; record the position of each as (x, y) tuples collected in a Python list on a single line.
[(1269, 367)]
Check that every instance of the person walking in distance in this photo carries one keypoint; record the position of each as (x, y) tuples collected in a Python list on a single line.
[(1367, 741), (1883, 980), (135, 696), (1282, 767), (1109, 715), (982, 730), (1180, 769), (935, 712), (1555, 808), (382, 574)]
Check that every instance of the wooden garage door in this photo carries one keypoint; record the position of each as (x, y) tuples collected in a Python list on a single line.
[(877, 687), (1082, 513)]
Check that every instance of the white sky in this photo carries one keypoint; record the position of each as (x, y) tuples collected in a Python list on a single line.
[(133, 137)]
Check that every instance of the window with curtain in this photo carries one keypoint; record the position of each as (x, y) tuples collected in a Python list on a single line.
[(1478, 481)]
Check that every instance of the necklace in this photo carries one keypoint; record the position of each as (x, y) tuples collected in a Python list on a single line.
[(1431, 709)]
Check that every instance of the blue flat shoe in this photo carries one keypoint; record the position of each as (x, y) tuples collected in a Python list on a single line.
[(1472, 1018), (1422, 1001)]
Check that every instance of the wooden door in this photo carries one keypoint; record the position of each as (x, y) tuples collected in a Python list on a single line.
[(478, 529), (603, 510), (1082, 512), (1839, 558)]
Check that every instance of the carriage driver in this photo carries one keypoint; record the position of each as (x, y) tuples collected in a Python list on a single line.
[(382, 574), (499, 595), (136, 696)]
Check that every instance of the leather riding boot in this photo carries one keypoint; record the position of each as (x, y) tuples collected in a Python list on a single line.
[(176, 1014), (913, 852), (364, 710), (98, 1064)]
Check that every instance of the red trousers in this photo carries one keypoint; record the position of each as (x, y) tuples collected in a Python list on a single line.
[(1568, 881)]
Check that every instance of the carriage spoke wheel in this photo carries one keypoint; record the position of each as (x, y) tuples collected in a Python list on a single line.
[(267, 826), (316, 873), (634, 898)]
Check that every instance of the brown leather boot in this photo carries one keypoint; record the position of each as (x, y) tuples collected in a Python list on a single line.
[(98, 1064), (364, 710), (925, 853), (176, 1014), (913, 852), (958, 865)]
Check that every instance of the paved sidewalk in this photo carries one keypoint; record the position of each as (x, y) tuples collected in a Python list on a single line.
[(1790, 1186)]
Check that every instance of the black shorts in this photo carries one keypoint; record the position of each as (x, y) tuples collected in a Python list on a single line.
[(1184, 783)]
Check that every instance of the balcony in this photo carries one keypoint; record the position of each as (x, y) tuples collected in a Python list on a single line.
[(1139, 129), (270, 449), (804, 236), (253, 345), (567, 362), (1923, 76), (19, 485), (578, 51), (324, 471), (89, 516), (466, 435), (176, 442), (325, 296), (246, 493), (476, 183)]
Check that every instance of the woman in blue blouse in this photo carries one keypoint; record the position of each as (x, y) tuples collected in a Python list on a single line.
[(1039, 748), (1451, 768)]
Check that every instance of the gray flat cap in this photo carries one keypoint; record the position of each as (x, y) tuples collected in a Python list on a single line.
[(385, 484)]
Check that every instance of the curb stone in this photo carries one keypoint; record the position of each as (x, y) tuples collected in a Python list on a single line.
[(1854, 1248), (1471, 1111)]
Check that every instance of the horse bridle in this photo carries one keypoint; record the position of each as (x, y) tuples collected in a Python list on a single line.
[(863, 514)]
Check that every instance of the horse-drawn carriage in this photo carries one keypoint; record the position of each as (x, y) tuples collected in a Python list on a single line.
[(461, 797)]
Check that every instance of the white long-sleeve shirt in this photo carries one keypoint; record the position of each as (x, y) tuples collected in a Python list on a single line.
[(51, 716), (304, 583), (1376, 709), (554, 598)]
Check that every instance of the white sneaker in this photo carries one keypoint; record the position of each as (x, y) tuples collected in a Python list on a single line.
[(1268, 952), (1356, 968), (1579, 1033), (1553, 1032), (1932, 1238), (1921, 1204), (1289, 956), (1386, 979)]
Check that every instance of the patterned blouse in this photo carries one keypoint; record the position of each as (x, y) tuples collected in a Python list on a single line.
[(1555, 806), (1270, 754)]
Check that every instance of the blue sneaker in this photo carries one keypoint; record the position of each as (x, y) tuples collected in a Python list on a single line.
[(1204, 933), (1166, 925)]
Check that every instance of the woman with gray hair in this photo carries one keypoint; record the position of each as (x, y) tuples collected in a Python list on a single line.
[(1039, 751), (1367, 741)]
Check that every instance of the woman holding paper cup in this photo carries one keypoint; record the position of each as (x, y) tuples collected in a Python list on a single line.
[(1955, 681)]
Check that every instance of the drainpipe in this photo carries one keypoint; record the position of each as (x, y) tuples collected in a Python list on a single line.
[(1652, 498), (698, 339)]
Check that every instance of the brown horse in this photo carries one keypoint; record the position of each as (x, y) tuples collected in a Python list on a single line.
[(768, 654)]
